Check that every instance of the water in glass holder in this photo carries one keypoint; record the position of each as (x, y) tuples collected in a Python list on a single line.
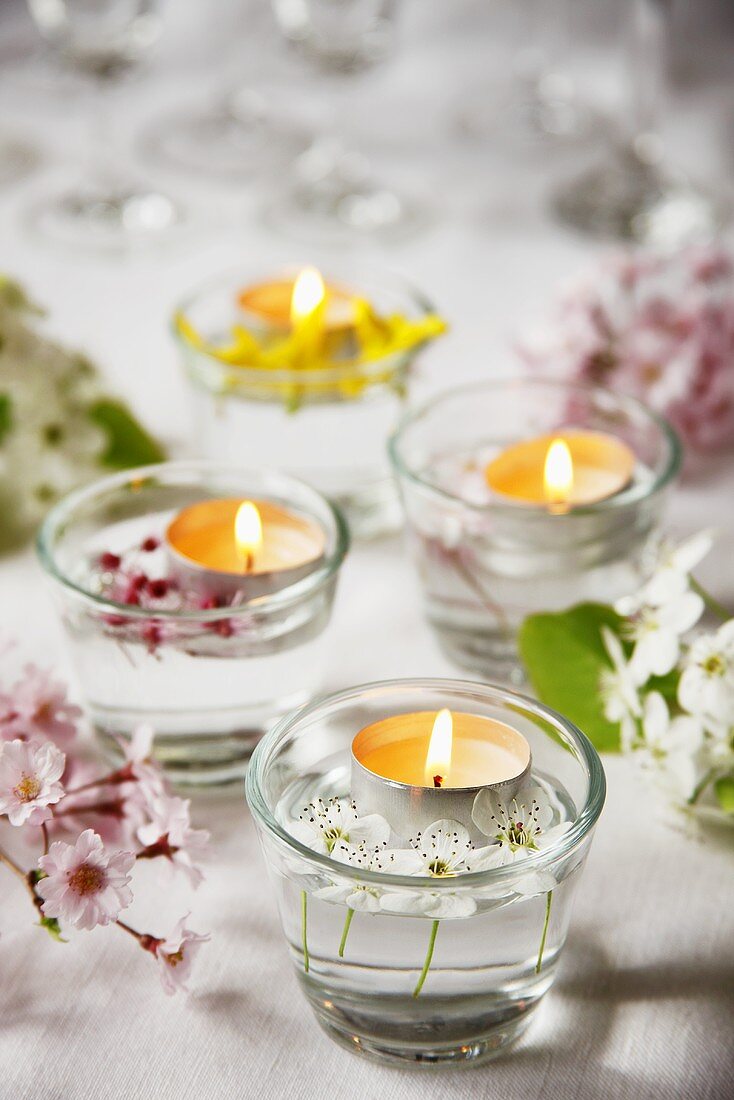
[(486, 561), (411, 988), (328, 424), (210, 676)]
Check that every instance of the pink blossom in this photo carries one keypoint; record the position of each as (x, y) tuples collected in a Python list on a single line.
[(175, 956), (169, 834), (29, 780), (140, 766), (37, 707), (85, 886), (109, 810), (660, 327)]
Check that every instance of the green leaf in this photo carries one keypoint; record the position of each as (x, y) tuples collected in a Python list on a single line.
[(128, 444), (6, 415), (53, 928), (564, 655), (724, 791)]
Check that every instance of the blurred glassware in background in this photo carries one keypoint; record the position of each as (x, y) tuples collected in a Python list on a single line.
[(17, 158), (535, 104), (243, 133), (633, 193), (252, 128), (104, 208), (334, 192)]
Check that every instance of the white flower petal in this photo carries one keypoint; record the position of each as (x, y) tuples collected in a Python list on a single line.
[(364, 901), (692, 551), (403, 861), (534, 882), (446, 906), (369, 831), (655, 719), (683, 613), (407, 903)]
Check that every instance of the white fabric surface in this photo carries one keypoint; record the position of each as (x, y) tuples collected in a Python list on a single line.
[(643, 1003)]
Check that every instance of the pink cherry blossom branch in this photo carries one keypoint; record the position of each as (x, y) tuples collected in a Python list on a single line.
[(120, 775), (146, 941), (5, 858), (113, 807), (27, 878)]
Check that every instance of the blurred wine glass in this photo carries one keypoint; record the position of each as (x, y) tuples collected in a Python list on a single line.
[(250, 130), (103, 40), (533, 104), (334, 191), (633, 193)]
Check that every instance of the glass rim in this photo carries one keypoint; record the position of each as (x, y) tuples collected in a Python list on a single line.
[(269, 378), (585, 819), (64, 509), (635, 493)]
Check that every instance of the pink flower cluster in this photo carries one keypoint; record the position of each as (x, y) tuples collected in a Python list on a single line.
[(139, 578), (660, 327), (102, 823)]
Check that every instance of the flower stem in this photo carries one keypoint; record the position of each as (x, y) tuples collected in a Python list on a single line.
[(147, 942), (429, 956), (29, 879), (304, 936), (5, 858), (710, 601), (120, 775), (345, 933), (44, 832), (546, 922), (702, 785)]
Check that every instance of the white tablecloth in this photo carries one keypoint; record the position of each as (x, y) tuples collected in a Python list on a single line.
[(643, 1003)]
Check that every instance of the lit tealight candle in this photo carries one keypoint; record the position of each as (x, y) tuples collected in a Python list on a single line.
[(417, 768), (256, 547), (274, 303), (560, 471)]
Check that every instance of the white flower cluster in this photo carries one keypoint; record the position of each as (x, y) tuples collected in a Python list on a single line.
[(673, 700), (515, 829)]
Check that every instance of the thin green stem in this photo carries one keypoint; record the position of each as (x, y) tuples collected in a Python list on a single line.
[(711, 602), (304, 936), (429, 956), (701, 786), (345, 932), (546, 922)]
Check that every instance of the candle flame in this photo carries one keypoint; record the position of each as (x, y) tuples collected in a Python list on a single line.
[(558, 474), (248, 533), (438, 758), (308, 294)]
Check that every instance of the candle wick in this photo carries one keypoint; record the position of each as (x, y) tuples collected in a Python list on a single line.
[(248, 561), (437, 780)]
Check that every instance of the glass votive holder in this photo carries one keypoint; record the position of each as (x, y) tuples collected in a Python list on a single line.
[(487, 561), (329, 425), (428, 968), (209, 671)]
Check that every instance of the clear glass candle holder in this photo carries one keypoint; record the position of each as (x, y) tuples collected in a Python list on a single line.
[(430, 970), (328, 425), (209, 674), (486, 561)]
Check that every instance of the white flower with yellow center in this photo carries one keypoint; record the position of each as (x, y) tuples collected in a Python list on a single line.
[(706, 687)]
